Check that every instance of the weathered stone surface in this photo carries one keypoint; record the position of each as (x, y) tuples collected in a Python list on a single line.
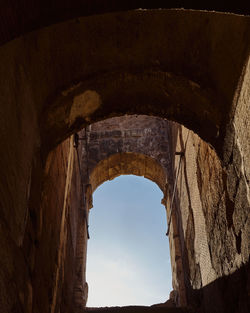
[(144, 150), (14, 24), (191, 67), (211, 246), (136, 145)]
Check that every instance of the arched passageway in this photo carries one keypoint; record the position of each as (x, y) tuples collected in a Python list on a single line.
[(128, 163), (170, 63), (189, 66), (137, 145), (191, 233), (177, 74)]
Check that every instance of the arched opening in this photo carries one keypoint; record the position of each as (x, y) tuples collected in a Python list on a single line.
[(127, 163), (128, 259), (191, 67), (129, 145), (153, 148)]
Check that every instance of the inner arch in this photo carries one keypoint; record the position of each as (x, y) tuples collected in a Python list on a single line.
[(127, 163)]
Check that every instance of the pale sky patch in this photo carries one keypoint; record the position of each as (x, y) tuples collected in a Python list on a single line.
[(128, 256)]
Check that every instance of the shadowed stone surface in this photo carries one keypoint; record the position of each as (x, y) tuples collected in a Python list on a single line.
[(20, 17), (188, 66)]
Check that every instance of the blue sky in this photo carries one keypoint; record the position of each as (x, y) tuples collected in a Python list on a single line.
[(128, 252)]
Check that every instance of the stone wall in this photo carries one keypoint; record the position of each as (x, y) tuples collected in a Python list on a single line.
[(215, 248), (141, 135), (56, 233), (183, 65), (209, 229)]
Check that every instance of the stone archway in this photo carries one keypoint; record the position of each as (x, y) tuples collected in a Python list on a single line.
[(115, 198), (189, 66), (170, 63), (170, 75), (128, 163), (138, 145)]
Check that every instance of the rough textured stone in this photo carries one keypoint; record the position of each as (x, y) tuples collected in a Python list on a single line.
[(188, 66), (210, 243), (138, 145)]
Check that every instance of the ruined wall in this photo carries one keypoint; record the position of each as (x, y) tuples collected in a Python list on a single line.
[(55, 233), (213, 227), (209, 230), (129, 134), (209, 248), (180, 64)]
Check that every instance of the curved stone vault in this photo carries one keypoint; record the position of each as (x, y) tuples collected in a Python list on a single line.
[(65, 66)]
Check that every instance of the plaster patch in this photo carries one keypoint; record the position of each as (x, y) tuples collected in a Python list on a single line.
[(84, 105)]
